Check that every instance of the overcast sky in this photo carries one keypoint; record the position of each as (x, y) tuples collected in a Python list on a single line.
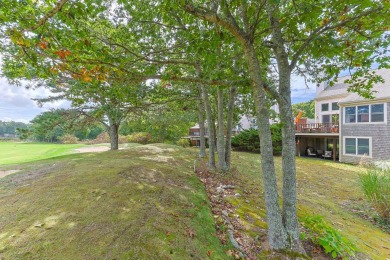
[(16, 103)]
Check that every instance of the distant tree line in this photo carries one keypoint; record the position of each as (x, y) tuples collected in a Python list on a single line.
[(166, 124), (10, 128)]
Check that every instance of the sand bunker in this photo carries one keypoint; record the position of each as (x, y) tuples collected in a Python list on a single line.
[(93, 149)]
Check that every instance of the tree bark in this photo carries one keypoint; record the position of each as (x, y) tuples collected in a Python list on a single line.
[(202, 129), (114, 136), (277, 235), (229, 126), (290, 219), (221, 135), (211, 127)]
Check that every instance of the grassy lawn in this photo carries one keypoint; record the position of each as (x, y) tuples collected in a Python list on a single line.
[(325, 188), (140, 203), (13, 152), (145, 202)]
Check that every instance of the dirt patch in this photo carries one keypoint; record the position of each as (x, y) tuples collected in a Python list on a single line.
[(93, 149), (158, 158), (5, 173), (155, 149)]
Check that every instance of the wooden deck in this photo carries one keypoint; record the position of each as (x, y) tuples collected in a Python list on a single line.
[(317, 128)]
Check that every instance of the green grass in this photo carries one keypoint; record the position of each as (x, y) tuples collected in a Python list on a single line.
[(142, 203), (324, 188), (139, 203), (376, 186), (13, 152)]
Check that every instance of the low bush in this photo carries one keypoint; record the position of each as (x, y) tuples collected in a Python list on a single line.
[(375, 183), (183, 142), (140, 137), (101, 138), (322, 233), (248, 140), (68, 139)]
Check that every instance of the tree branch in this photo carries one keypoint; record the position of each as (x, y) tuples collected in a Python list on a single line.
[(324, 28), (57, 8)]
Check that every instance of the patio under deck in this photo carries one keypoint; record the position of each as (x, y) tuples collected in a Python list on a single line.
[(320, 136)]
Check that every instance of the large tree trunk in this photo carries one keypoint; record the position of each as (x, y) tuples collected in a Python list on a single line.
[(229, 126), (114, 136), (290, 219), (221, 135), (277, 235), (211, 127), (202, 129)]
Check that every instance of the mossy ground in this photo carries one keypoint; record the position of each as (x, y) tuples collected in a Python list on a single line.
[(141, 203), (324, 187), (145, 202)]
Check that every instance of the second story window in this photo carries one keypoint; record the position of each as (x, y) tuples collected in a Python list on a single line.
[(335, 106), (325, 107), (365, 114), (377, 113), (326, 119), (350, 114)]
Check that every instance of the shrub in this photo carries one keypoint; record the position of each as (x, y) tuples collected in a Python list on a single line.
[(102, 138), (323, 234), (140, 137), (183, 142), (248, 140), (376, 186), (122, 139), (68, 139)]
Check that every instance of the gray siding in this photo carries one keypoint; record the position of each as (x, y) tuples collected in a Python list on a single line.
[(380, 134)]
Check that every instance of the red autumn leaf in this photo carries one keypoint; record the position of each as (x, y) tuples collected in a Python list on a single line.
[(63, 53)]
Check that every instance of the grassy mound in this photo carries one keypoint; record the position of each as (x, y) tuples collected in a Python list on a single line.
[(140, 203)]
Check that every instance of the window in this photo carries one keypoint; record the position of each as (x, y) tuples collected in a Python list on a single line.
[(335, 119), (363, 146), (335, 106), (325, 107), (350, 145), (365, 114), (357, 146), (377, 113), (350, 114), (325, 118)]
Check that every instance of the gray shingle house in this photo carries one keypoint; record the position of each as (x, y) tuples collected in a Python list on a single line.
[(348, 127)]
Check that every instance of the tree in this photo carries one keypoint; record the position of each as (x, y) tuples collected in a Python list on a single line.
[(307, 108), (276, 38), (290, 34)]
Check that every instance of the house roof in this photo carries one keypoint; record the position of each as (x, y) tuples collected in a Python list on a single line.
[(339, 88), (380, 90)]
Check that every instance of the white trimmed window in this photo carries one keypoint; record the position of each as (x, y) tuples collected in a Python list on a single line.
[(357, 146), (374, 113), (325, 107)]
